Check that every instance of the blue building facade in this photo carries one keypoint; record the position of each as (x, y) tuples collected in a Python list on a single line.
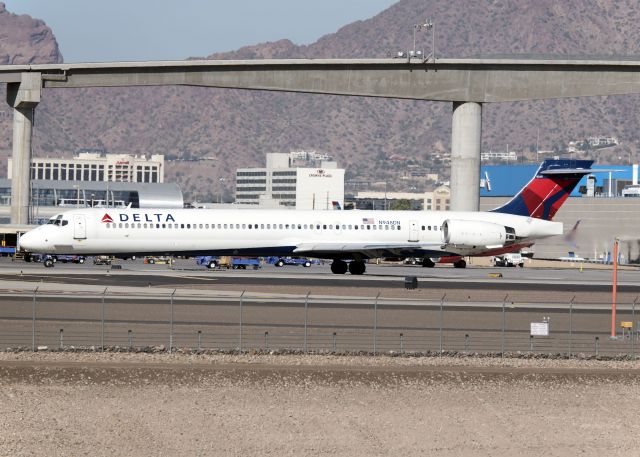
[(507, 180)]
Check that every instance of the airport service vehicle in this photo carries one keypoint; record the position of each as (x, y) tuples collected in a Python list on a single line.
[(512, 259), (572, 257), (632, 190), (282, 261), (102, 260), (236, 263), (157, 260), (7, 251), (70, 258), (348, 238)]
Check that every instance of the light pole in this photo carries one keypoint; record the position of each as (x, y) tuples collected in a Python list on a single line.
[(431, 26), (428, 25), (221, 180)]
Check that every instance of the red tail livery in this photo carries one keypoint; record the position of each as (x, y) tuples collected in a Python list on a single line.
[(548, 189)]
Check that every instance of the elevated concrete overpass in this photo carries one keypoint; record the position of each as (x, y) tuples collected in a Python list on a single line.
[(467, 83)]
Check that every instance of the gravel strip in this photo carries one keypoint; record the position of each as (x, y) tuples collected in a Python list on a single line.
[(124, 404)]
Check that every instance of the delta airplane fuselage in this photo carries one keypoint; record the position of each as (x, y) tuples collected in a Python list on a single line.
[(324, 234)]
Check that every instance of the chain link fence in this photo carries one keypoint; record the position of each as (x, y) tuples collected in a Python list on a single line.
[(260, 322)]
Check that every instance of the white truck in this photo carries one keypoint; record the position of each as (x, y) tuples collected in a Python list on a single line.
[(513, 259)]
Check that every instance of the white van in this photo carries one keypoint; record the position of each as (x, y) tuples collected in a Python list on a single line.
[(513, 259)]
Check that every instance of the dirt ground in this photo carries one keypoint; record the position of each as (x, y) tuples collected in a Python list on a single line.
[(66, 404)]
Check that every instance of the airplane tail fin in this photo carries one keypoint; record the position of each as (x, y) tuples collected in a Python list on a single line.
[(543, 196), (336, 205)]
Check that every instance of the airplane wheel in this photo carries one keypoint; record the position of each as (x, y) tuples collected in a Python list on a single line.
[(428, 263), (357, 267), (339, 267), (460, 264)]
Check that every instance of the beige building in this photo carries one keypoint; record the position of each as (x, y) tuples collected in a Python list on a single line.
[(437, 200), (89, 166), (282, 184)]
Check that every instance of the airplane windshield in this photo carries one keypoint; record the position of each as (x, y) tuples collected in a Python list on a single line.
[(57, 220)]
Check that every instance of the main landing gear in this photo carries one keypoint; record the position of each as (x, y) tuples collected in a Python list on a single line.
[(355, 267), (460, 264), (428, 263)]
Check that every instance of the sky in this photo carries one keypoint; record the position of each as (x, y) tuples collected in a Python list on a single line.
[(122, 30)]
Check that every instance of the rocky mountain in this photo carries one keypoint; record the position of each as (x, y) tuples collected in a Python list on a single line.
[(24, 40), (375, 139)]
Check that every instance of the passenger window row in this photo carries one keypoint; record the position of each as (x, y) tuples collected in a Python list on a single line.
[(141, 225)]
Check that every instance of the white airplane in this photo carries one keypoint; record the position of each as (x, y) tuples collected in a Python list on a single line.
[(346, 237)]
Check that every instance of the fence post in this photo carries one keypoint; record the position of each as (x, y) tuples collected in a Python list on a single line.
[(129, 338), (401, 343), (61, 343), (634, 330), (375, 324), (102, 321), (597, 344), (171, 323), (266, 341), (441, 323), (241, 298), (530, 343), (306, 309), (199, 340), (33, 320), (466, 342), (334, 342), (571, 324), (504, 324)]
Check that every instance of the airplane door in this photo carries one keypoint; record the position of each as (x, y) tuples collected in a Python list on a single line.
[(79, 227), (413, 230)]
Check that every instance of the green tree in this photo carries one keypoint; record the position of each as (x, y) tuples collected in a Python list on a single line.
[(400, 205)]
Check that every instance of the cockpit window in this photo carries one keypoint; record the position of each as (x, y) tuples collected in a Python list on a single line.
[(55, 220), (64, 222)]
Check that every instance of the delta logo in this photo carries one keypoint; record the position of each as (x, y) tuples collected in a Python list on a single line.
[(137, 217)]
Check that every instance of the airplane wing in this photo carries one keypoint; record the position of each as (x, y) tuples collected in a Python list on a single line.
[(370, 250)]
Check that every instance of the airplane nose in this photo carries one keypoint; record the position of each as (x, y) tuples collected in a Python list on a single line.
[(31, 242)]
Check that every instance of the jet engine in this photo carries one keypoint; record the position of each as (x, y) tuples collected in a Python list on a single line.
[(476, 233)]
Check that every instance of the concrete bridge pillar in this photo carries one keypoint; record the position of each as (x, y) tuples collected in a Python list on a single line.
[(23, 97), (466, 135)]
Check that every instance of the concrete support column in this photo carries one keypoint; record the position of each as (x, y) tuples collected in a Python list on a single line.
[(23, 97), (21, 164), (466, 135)]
